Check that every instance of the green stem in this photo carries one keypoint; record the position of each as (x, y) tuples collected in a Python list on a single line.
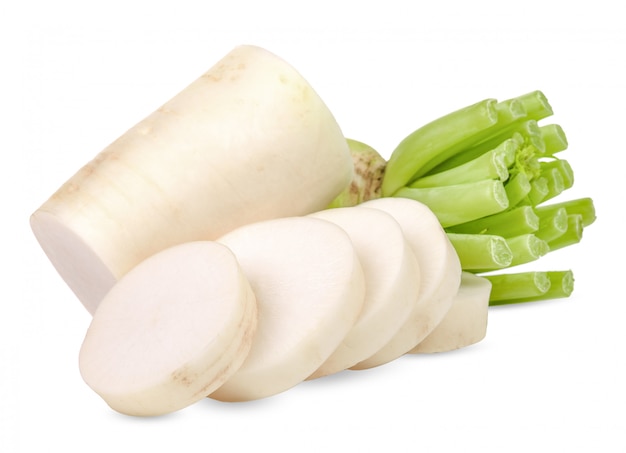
[(460, 203), (572, 235), (515, 222), (554, 139), (490, 165), (481, 251), (561, 284), (563, 168), (582, 206), (536, 105), (433, 143), (517, 287), (526, 248), (530, 287), (517, 188), (538, 191), (552, 225)]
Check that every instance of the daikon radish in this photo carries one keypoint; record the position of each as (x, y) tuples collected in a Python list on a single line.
[(171, 331), (310, 290), (466, 321), (440, 278), (249, 140), (392, 282)]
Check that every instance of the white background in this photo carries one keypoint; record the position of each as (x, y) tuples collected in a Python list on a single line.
[(549, 377)]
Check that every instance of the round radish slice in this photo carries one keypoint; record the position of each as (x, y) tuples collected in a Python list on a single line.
[(466, 322), (170, 331), (440, 270), (392, 280), (310, 290)]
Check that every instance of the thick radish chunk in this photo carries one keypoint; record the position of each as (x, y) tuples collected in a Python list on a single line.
[(440, 276), (171, 331), (310, 289), (249, 140), (466, 321), (392, 279)]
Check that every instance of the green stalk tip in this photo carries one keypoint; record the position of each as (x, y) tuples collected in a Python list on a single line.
[(554, 139), (517, 287), (460, 203), (481, 251), (511, 223)]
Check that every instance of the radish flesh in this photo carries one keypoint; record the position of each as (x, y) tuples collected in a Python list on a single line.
[(310, 289), (440, 276), (249, 140), (171, 331), (392, 283), (466, 321)]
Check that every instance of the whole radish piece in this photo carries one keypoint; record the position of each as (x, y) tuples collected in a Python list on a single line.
[(248, 140)]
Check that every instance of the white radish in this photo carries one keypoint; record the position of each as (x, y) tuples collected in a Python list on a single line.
[(466, 321), (248, 140), (440, 278), (310, 289), (392, 280), (171, 331)]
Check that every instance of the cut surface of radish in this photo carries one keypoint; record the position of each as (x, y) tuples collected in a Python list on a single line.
[(466, 321), (310, 289), (392, 279), (440, 271), (248, 140), (171, 331)]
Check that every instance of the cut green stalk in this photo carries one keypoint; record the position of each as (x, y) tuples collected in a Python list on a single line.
[(517, 189), (531, 131), (513, 288), (561, 284), (521, 128), (581, 206), (529, 287), (524, 249), (555, 184), (539, 190), (460, 203), (528, 130), (563, 167), (554, 139), (517, 221), (536, 105), (572, 235), (481, 251), (527, 248), (490, 165), (478, 149), (435, 142), (552, 224)]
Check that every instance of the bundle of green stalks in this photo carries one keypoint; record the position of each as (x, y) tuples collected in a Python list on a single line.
[(489, 172)]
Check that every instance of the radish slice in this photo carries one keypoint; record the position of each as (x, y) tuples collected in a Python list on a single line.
[(440, 276), (391, 283), (310, 290), (466, 322), (170, 331)]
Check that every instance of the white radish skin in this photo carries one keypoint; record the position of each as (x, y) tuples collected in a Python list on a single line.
[(392, 280), (440, 271), (171, 331), (248, 140), (465, 323), (310, 289)]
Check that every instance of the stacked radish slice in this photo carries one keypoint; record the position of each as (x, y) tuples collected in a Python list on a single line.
[(276, 302), (191, 240)]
